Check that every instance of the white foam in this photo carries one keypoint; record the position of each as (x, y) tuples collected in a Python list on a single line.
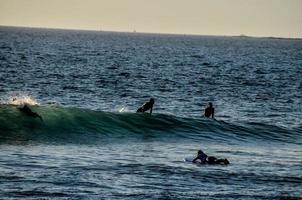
[(21, 100), (123, 109)]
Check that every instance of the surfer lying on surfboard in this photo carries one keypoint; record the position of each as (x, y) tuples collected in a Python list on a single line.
[(205, 159)]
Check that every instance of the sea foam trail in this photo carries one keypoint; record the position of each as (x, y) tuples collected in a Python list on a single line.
[(83, 125)]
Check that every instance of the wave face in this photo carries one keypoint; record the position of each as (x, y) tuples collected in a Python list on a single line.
[(86, 126)]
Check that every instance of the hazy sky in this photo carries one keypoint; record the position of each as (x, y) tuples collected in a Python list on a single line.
[(281, 18)]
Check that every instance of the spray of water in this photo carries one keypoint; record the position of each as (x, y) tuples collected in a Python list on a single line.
[(21, 100), (121, 109)]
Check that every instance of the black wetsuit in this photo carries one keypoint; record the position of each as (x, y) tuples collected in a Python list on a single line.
[(202, 157), (148, 105), (209, 111), (26, 110), (213, 160)]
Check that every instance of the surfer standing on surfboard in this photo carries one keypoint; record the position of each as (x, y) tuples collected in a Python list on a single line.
[(209, 111), (146, 106)]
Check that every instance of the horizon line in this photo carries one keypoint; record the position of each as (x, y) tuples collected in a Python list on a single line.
[(155, 33)]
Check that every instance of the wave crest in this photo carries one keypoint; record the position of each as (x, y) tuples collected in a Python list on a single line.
[(83, 125)]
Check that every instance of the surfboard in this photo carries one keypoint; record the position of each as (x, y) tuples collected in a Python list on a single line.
[(190, 160)]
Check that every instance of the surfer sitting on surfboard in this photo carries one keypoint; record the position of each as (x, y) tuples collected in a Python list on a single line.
[(146, 106), (209, 159)]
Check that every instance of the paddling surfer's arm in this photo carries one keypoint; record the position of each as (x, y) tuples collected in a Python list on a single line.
[(194, 160), (201, 156)]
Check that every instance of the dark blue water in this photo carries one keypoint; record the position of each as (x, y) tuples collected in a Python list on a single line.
[(91, 143)]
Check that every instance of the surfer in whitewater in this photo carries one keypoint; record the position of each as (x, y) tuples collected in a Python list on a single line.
[(205, 159), (146, 106), (26, 110), (209, 111)]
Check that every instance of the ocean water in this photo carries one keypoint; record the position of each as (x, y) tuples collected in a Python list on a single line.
[(92, 145)]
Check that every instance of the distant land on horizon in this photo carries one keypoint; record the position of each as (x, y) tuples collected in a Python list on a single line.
[(138, 32)]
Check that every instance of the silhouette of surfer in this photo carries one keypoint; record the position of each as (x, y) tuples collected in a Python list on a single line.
[(146, 106), (200, 156), (209, 111), (26, 110), (205, 159)]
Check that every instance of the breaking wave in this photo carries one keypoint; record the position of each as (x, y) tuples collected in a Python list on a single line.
[(62, 124)]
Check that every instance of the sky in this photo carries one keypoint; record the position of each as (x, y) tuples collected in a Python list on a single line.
[(276, 18)]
